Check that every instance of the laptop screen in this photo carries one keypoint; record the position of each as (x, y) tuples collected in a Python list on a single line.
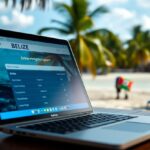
[(38, 78)]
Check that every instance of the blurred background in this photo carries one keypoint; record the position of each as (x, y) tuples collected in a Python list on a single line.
[(109, 38)]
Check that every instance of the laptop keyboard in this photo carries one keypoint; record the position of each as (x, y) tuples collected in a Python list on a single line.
[(78, 123)]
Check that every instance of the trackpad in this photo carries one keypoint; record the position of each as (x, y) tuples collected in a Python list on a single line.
[(130, 127)]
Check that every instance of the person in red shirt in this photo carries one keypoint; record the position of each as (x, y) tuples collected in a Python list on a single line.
[(123, 84)]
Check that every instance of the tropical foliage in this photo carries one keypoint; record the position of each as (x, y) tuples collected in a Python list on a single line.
[(26, 4), (111, 42), (78, 22), (138, 50), (94, 49)]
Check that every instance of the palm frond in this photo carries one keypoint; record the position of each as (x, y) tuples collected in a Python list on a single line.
[(6, 2), (97, 51), (60, 30), (79, 8), (85, 23), (98, 11), (136, 30), (96, 32), (65, 25), (110, 56), (64, 8), (14, 2), (86, 57), (26, 4)]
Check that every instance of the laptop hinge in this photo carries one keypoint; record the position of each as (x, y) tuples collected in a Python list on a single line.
[(49, 119)]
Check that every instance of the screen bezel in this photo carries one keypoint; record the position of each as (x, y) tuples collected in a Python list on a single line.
[(31, 37)]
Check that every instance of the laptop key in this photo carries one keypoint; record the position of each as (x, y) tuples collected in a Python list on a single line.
[(100, 124), (78, 123)]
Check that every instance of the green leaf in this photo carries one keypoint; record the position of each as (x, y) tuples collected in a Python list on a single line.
[(64, 8), (85, 23), (97, 51), (60, 30), (98, 11), (110, 57), (96, 33), (80, 8), (86, 57), (64, 24)]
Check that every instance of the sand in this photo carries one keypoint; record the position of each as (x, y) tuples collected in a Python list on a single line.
[(107, 99), (101, 91)]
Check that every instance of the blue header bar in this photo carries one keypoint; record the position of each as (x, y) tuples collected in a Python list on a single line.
[(39, 111)]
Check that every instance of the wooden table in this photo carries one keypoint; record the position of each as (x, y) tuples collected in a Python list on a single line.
[(9, 142)]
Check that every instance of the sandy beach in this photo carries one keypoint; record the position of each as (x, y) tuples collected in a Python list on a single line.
[(101, 91)]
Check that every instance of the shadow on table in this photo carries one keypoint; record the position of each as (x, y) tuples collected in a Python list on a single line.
[(27, 143)]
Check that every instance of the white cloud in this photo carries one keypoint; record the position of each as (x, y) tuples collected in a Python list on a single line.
[(144, 3), (145, 22), (2, 6), (17, 19), (107, 2), (119, 20), (5, 20), (123, 13)]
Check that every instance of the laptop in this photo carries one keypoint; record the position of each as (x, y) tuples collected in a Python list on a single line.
[(42, 96)]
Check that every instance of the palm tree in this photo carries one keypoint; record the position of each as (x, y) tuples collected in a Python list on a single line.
[(139, 47), (26, 4), (113, 43), (89, 52)]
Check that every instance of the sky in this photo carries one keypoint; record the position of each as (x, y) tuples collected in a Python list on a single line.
[(123, 15)]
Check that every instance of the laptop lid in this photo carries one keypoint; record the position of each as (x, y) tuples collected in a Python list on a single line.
[(39, 78)]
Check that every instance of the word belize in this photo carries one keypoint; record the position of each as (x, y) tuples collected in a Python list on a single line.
[(19, 46)]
